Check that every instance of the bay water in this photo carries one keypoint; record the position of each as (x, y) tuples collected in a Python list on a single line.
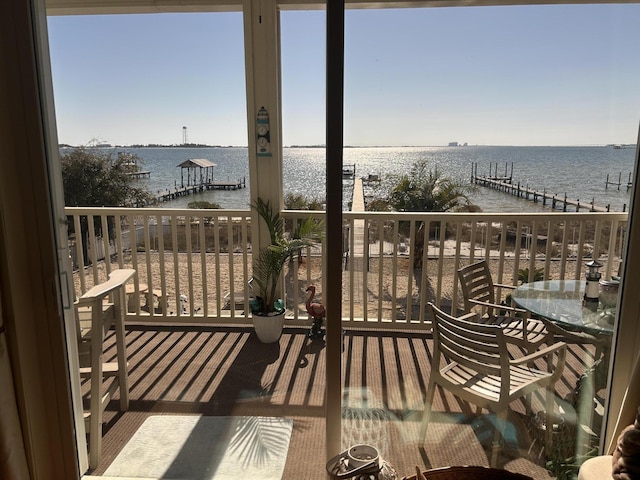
[(580, 172)]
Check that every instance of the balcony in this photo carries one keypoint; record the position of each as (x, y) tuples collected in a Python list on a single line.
[(200, 356)]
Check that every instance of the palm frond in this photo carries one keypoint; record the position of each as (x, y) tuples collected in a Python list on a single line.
[(271, 259), (273, 220)]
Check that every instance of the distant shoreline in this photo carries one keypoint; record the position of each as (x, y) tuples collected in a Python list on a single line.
[(198, 145)]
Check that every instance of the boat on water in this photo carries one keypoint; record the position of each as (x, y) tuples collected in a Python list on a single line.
[(349, 171), (622, 146), (129, 163)]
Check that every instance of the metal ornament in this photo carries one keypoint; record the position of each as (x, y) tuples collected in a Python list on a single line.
[(263, 135), (592, 287)]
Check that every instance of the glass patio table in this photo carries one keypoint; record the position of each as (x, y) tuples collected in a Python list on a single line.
[(561, 302)]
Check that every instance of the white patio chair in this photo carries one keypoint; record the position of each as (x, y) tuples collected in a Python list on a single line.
[(95, 315), (470, 360), (478, 291)]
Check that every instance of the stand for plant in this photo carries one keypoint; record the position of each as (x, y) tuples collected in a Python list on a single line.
[(316, 330)]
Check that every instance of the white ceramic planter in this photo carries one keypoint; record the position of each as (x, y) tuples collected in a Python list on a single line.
[(268, 328)]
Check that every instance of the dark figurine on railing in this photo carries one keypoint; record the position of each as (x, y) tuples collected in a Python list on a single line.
[(317, 311)]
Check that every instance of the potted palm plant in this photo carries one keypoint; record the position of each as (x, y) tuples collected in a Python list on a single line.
[(267, 308)]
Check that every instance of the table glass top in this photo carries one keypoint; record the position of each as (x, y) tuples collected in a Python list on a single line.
[(561, 301)]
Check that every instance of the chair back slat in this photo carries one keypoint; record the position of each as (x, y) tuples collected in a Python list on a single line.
[(466, 342), (477, 284), (477, 361), (474, 338)]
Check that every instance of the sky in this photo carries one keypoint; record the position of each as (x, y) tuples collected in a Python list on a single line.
[(523, 75)]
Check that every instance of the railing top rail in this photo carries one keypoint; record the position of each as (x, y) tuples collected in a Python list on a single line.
[(457, 216), (156, 211), (466, 216)]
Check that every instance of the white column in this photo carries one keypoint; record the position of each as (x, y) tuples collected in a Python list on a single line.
[(262, 60)]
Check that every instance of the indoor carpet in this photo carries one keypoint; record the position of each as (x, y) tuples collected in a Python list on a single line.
[(205, 448)]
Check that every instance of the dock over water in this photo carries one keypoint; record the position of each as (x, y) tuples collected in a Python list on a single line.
[(506, 184), (355, 259), (140, 174), (201, 187), (199, 178)]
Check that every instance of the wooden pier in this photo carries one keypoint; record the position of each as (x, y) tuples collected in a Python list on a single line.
[(140, 174), (507, 185), (193, 189), (619, 182), (199, 178)]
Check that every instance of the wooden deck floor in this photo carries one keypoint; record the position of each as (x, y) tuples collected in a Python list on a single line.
[(227, 371)]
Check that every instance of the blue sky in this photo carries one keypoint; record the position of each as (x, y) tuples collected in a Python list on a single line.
[(535, 75)]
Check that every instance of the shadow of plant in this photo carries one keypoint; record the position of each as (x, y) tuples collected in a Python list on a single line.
[(260, 439)]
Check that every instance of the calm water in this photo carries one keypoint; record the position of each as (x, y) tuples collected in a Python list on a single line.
[(580, 172)]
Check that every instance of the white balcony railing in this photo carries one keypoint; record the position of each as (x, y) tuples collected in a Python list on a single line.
[(204, 256)]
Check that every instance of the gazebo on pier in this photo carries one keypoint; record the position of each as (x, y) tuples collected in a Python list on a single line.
[(199, 172)]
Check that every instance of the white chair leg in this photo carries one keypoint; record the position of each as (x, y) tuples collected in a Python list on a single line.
[(123, 374), (95, 419), (499, 433), (549, 414), (426, 414)]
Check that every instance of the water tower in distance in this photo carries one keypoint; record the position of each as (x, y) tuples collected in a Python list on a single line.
[(184, 136)]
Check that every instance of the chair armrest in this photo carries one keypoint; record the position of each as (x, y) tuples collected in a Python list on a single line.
[(559, 348), (502, 285), (498, 306), (543, 352), (117, 279)]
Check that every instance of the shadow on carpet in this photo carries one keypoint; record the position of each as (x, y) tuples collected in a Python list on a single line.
[(205, 448)]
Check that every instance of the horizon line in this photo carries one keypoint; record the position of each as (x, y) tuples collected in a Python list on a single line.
[(194, 145)]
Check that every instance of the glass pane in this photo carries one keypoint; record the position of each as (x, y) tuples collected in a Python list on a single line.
[(490, 93), (137, 96), (160, 90)]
